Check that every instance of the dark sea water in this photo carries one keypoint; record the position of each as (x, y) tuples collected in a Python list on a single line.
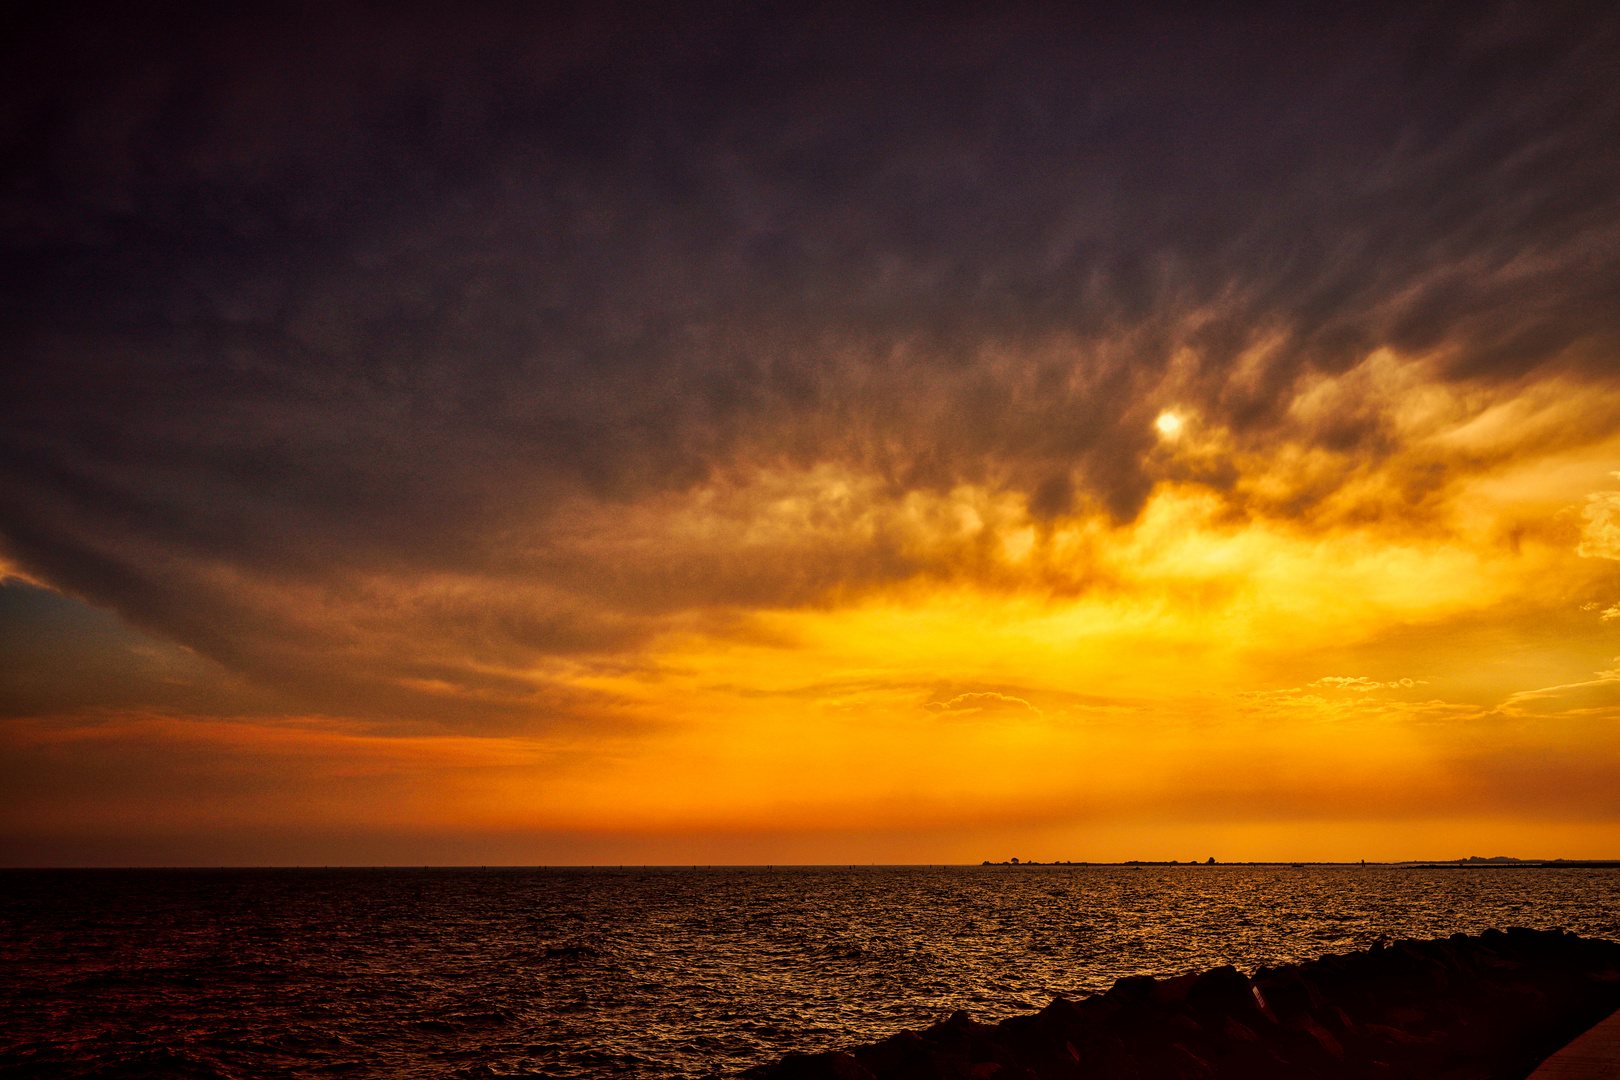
[(652, 973)]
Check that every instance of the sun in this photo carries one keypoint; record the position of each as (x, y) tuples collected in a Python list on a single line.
[(1168, 424)]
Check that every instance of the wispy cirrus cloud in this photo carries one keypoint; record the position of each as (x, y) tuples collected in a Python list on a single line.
[(1362, 683), (625, 376), (984, 703), (1600, 533)]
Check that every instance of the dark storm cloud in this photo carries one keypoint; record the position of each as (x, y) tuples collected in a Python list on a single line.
[(326, 292)]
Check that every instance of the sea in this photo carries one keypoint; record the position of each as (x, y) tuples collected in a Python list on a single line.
[(655, 972)]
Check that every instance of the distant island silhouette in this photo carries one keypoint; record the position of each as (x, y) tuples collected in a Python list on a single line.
[(1467, 862)]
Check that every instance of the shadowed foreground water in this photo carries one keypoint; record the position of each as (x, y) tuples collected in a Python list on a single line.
[(653, 973)]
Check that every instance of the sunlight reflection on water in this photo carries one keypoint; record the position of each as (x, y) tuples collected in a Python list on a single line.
[(655, 973)]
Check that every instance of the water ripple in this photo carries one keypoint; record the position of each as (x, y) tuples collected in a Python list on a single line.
[(653, 973)]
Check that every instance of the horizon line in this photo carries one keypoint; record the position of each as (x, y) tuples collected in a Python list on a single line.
[(1465, 863)]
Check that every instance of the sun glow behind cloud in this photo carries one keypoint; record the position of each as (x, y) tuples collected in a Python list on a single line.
[(1213, 665), (1137, 655), (891, 459)]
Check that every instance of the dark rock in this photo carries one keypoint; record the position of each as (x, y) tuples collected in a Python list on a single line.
[(1485, 1008)]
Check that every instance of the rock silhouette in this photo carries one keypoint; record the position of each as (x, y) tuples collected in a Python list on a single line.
[(1463, 1008)]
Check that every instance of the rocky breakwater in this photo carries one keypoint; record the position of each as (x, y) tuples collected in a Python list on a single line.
[(1461, 1008)]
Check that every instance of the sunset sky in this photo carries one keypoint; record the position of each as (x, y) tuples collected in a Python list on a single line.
[(783, 433)]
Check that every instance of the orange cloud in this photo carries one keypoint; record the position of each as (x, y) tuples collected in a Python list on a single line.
[(934, 463)]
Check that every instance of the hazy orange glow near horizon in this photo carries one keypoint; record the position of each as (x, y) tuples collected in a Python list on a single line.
[(1211, 677), (756, 583)]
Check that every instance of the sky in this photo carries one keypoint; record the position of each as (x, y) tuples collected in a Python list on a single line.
[(796, 433)]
